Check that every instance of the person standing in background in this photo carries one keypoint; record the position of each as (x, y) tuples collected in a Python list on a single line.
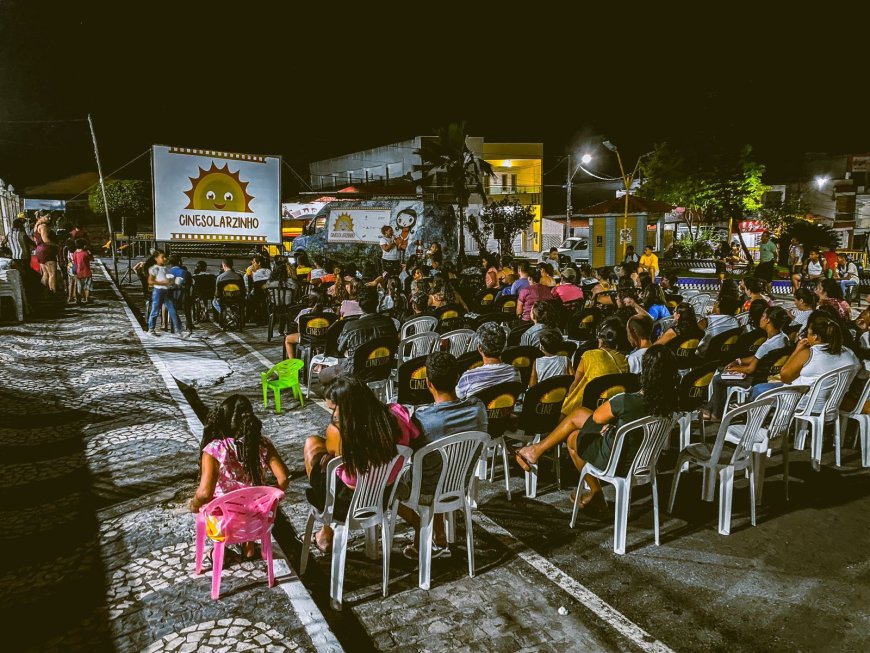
[(795, 262)]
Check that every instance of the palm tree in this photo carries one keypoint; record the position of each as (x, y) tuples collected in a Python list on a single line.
[(462, 170)]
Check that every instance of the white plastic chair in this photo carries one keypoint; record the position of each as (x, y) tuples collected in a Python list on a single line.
[(10, 286), (366, 512), (494, 447), (742, 319), (420, 344), (716, 461), (460, 341), (863, 423), (419, 324), (656, 431), (830, 388), (773, 436), (459, 454)]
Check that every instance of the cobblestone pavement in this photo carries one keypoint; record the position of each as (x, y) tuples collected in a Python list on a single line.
[(98, 463), (799, 580)]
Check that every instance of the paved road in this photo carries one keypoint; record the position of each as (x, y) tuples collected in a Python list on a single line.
[(96, 474)]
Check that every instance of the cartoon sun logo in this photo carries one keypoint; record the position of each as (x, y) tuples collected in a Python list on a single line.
[(218, 189), (343, 223)]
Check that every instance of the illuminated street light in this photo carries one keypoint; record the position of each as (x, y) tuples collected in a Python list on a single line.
[(821, 181), (586, 159)]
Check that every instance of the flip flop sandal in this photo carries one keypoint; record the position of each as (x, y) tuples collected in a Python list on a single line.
[(316, 544)]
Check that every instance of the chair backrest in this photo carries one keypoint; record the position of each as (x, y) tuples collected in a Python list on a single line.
[(468, 361), (419, 324), (567, 349), (771, 363), (581, 326), (862, 399), (367, 504), (230, 290), (516, 333), (459, 454), (412, 382), (748, 343), (542, 404), (287, 368), (754, 414), (485, 299), (497, 318), (601, 389), (787, 398), (420, 344), (373, 360), (721, 347), (500, 401), (330, 339), (694, 387), (828, 390), (459, 341), (523, 358), (204, 286), (314, 327), (661, 325), (655, 436), (246, 514), (506, 304), (450, 318), (280, 296)]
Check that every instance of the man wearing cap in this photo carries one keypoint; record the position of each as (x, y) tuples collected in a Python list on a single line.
[(567, 291)]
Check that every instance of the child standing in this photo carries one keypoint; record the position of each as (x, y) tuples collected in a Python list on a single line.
[(81, 260)]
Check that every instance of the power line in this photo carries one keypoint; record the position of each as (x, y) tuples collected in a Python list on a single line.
[(32, 122), (110, 174)]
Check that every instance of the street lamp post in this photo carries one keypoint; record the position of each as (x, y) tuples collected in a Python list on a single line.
[(626, 180), (585, 159)]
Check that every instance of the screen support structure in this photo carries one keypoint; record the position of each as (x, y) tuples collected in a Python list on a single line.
[(105, 200)]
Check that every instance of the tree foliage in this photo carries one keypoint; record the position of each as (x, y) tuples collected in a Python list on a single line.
[(511, 215), (713, 181), (127, 198), (448, 156)]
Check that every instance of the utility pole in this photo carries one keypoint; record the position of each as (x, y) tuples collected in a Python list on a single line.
[(568, 198), (105, 200)]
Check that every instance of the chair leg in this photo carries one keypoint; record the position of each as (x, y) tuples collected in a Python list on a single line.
[(557, 463), (655, 497), (752, 494), (306, 544), (266, 548), (620, 520), (817, 436), (708, 483), (675, 482), (759, 464), (372, 543), (837, 442), (450, 517), (265, 396), (577, 497), (469, 540), (507, 476), (785, 450), (387, 546), (217, 563), (865, 443), (425, 552), (271, 327), (339, 554), (200, 542), (726, 487), (277, 393)]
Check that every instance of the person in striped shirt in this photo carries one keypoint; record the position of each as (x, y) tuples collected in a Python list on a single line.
[(491, 340)]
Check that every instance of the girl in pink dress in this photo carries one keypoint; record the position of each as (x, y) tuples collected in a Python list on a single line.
[(235, 455)]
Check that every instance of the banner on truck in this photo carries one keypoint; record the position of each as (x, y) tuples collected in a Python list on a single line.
[(45, 205), (210, 196), (358, 225)]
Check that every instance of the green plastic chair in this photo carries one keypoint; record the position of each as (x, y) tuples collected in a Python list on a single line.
[(286, 375)]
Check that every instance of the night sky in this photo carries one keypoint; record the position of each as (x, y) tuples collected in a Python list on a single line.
[(322, 82)]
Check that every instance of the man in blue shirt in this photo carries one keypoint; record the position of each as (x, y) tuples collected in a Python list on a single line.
[(519, 284), (181, 291)]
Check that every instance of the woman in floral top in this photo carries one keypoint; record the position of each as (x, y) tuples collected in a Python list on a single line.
[(235, 454), (830, 294)]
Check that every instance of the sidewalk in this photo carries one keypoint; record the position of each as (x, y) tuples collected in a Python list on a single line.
[(98, 464)]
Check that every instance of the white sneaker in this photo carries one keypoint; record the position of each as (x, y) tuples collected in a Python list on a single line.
[(185, 335)]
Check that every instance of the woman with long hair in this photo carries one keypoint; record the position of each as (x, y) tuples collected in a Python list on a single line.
[(654, 302), (235, 454), (46, 253), (364, 432), (489, 263), (443, 294), (830, 294), (317, 303), (591, 434), (685, 325)]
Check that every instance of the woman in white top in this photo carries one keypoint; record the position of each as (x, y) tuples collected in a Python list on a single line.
[(821, 351), (814, 268), (720, 320), (804, 305), (639, 328)]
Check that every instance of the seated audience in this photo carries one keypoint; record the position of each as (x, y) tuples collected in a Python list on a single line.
[(567, 291), (830, 294), (551, 363), (685, 326), (528, 297), (545, 315), (639, 330), (491, 340)]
